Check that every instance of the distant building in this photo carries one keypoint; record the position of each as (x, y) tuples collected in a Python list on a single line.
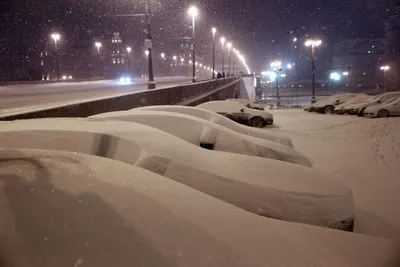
[(392, 29), (358, 62)]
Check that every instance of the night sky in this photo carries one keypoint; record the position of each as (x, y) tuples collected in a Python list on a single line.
[(261, 29)]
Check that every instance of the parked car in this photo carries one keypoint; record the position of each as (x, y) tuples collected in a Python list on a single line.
[(379, 99), (248, 103), (328, 106), (239, 113), (223, 121), (312, 107), (343, 108), (208, 135), (384, 110)]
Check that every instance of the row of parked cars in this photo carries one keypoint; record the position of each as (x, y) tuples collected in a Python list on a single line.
[(379, 106)]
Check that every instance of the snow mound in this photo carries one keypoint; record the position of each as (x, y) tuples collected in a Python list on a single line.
[(208, 134), (81, 210), (266, 187), (223, 121)]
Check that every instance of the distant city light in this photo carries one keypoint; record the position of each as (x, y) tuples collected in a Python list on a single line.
[(214, 30), (335, 76), (289, 66), (385, 68), (162, 55), (283, 75), (345, 73), (175, 58), (295, 39), (129, 49)]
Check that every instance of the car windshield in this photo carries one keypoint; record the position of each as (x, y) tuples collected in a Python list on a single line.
[(199, 133)]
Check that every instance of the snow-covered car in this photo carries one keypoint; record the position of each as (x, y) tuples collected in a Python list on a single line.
[(312, 107), (208, 135), (93, 211), (379, 99), (266, 187), (223, 121), (239, 113), (248, 103), (387, 109), (343, 108), (328, 106)]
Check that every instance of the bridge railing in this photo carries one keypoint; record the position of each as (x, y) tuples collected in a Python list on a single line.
[(183, 95)]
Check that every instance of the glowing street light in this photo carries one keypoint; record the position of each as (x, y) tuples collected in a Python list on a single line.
[(223, 56), (384, 69), (289, 66), (277, 67), (98, 45), (313, 43), (335, 76), (229, 45), (193, 12), (129, 50), (147, 53), (56, 37), (174, 58), (214, 31), (162, 55)]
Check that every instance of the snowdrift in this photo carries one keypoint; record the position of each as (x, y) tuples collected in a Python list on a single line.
[(266, 187), (70, 209), (208, 134), (223, 121)]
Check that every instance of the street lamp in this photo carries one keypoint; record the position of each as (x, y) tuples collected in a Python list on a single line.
[(193, 12), (223, 63), (313, 43), (234, 62), (238, 57), (98, 45), (162, 55), (214, 31), (56, 37), (229, 45), (277, 67), (384, 69), (129, 50)]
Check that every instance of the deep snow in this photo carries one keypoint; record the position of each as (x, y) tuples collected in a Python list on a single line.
[(363, 152), (267, 187), (69, 209), (203, 132)]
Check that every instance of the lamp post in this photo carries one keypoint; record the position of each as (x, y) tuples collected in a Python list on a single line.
[(214, 30), (313, 43), (98, 46), (149, 47), (223, 56), (384, 69), (234, 61), (129, 50), (229, 45), (56, 37), (277, 67), (193, 12), (237, 65)]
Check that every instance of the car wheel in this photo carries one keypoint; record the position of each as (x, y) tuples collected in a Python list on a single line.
[(383, 113), (329, 109), (257, 122)]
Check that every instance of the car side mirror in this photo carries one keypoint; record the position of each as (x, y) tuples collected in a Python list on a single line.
[(242, 110)]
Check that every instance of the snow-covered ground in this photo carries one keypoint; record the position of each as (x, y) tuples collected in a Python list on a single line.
[(70, 209), (363, 152)]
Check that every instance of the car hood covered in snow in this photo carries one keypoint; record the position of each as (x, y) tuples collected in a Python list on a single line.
[(208, 134), (70, 209), (266, 187)]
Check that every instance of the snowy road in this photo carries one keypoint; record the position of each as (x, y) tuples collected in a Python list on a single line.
[(14, 98), (363, 152)]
